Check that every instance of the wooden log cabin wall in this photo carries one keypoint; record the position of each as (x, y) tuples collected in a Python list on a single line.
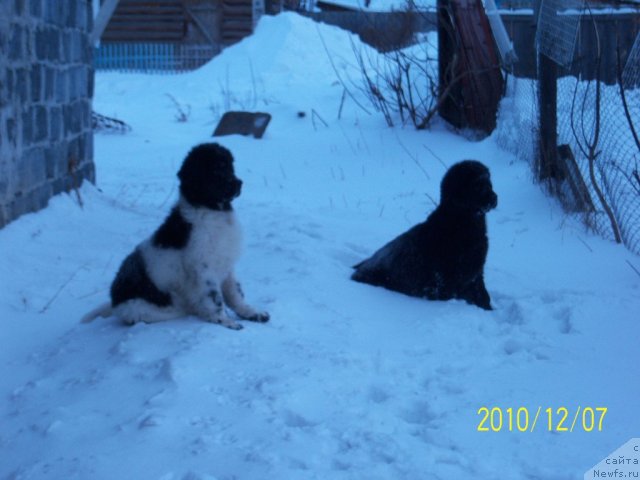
[(204, 22)]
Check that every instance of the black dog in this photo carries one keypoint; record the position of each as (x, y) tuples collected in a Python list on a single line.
[(443, 257), (186, 266)]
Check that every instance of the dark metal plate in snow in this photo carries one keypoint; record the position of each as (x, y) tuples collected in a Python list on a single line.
[(243, 123)]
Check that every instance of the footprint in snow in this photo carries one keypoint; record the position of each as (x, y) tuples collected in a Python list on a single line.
[(378, 394), (550, 297), (451, 388), (512, 347), (512, 314), (420, 413), (295, 420), (564, 317)]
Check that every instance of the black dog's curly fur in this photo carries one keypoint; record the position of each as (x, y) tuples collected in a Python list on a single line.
[(443, 257)]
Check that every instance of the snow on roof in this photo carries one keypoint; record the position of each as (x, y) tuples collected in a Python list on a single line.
[(382, 5)]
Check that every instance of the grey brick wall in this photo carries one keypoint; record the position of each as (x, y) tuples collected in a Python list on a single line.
[(46, 87)]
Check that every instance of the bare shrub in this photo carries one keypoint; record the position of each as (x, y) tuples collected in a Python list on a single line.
[(401, 84)]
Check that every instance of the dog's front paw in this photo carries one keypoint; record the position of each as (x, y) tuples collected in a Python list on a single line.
[(260, 317)]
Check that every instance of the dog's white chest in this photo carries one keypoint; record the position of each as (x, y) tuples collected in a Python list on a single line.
[(216, 240)]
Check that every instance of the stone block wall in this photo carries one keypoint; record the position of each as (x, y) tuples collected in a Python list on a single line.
[(46, 87)]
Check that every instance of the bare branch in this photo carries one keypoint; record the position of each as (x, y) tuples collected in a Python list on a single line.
[(333, 66), (590, 147), (315, 115), (62, 287), (182, 112)]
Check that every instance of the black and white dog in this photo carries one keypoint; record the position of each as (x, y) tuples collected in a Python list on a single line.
[(443, 257), (186, 266)]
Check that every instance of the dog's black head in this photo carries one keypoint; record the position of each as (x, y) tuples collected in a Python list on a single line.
[(207, 178), (467, 185)]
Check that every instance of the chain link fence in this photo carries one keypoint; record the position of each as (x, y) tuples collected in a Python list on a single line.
[(597, 114)]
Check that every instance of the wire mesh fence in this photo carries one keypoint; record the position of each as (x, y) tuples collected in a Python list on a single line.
[(518, 128), (609, 144), (597, 121), (593, 122), (152, 57)]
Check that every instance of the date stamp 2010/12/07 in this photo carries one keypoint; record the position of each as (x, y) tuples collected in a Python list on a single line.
[(561, 419)]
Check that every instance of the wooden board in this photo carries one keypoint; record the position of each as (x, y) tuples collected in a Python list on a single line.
[(474, 82)]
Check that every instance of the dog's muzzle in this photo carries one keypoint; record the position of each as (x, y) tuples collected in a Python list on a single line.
[(237, 187), (492, 203)]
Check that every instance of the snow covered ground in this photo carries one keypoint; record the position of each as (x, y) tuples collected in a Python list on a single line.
[(347, 381)]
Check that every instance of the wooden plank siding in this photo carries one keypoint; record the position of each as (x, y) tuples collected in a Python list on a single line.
[(147, 21), (175, 21), (237, 20)]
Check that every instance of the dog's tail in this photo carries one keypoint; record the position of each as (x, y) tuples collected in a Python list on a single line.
[(103, 310)]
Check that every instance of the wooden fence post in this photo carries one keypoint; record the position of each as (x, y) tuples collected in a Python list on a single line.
[(548, 113)]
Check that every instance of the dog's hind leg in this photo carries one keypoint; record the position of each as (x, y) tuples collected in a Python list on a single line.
[(234, 298)]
